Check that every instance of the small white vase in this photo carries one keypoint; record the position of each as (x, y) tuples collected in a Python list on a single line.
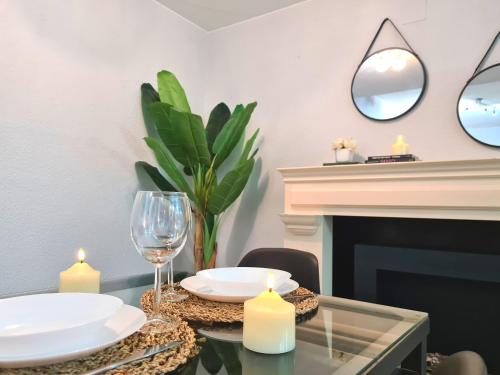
[(344, 155)]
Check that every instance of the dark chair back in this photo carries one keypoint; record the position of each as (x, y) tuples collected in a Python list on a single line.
[(302, 265)]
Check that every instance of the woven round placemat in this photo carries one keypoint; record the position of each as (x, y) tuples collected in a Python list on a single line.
[(202, 311), (161, 363)]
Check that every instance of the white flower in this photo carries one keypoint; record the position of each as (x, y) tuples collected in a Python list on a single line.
[(341, 143), (338, 144), (350, 144)]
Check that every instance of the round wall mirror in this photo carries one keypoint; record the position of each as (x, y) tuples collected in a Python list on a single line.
[(479, 106), (388, 84)]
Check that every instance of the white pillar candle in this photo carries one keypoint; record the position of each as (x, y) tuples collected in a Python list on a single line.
[(80, 277), (400, 147), (269, 323)]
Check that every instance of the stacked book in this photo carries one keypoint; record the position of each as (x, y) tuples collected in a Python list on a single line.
[(391, 158)]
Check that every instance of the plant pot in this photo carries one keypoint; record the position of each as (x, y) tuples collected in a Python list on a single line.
[(344, 155)]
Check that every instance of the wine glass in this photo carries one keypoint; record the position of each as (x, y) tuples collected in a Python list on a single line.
[(159, 227), (172, 295)]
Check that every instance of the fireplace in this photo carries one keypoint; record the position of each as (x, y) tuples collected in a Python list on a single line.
[(406, 234), (447, 268), (448, 236)]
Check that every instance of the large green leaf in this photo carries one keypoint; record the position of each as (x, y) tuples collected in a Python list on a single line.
[(248, 147), (182, 133), (218, 118), (189, 134), (232, 132), (149, 96), (160, 116), (168, 165), (171, 91), (155, 175), (230, 187), (223, 135), (220, 143)]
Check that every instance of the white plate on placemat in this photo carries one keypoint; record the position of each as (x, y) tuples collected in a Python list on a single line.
[(43, 321), (198, 287), (122, 324), (234, 279)]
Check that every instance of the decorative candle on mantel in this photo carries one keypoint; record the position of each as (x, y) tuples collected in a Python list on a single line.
[(400, 147), (80, 277), (269, 322)]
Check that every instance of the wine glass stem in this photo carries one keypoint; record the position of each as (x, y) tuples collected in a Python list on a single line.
[(157, 299), (171, 279)]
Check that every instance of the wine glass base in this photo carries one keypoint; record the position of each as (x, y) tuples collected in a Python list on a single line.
[(173, 297), (159, 325)]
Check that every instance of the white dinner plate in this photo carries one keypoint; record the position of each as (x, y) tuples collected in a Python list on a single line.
[(125, 322), (198, 287), (40, 322), (229, 280)]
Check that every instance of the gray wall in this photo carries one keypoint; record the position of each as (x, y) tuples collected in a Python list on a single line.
[(71, 129), (299, 63), (71, 124)]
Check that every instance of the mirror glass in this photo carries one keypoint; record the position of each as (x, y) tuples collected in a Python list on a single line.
[(388, 84), (479, 106)]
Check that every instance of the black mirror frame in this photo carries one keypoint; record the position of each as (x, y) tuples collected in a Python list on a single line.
[(424, 87), (476, 74)]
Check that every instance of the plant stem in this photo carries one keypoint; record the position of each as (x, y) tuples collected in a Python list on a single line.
[(198, 241)]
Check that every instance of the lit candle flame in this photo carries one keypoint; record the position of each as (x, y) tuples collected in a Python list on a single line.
[(81, 255), (270, 281), (400, 138)]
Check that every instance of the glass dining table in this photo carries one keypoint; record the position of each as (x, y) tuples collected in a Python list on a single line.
[(344, 337)]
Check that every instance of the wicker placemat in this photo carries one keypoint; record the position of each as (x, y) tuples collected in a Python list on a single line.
[(199, 310), (161, 363)]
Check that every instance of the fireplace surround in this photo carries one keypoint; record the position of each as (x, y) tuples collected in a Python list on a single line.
[(454, 190), (411, 235)]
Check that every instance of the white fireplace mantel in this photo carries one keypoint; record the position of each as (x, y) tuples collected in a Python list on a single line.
[(462, 190)]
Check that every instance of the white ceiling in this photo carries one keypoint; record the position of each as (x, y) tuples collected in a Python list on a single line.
[(213, 14)]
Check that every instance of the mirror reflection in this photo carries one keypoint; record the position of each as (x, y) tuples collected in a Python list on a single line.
[(388, 84), (479, 107)]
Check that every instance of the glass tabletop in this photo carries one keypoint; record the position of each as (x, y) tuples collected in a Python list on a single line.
[(343, 337)]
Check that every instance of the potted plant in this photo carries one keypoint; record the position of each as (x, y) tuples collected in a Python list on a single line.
[(190, 156), (344, 150)]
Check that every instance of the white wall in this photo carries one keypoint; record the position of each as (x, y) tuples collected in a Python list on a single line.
[(71, 126), (299, 62), (71, 129)]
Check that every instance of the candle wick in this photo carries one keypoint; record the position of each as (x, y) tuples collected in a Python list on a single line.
[(81, 261), (270, 290)]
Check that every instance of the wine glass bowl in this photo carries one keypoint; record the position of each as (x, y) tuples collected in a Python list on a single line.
[(159, 227)]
